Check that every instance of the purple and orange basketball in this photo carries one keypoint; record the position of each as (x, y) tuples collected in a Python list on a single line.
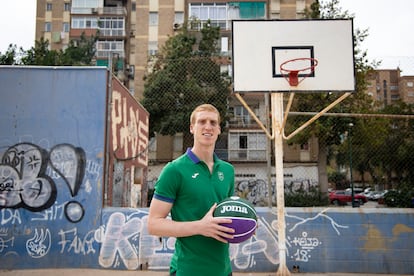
[(242, 214)]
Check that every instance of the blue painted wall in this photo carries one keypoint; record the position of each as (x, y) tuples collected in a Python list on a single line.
[(318, 240), (52, 133), (52, 140)]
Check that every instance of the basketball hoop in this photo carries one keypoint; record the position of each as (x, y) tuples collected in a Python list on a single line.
[(292, 74)]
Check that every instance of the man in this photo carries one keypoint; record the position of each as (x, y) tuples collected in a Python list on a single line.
[(190, 187)]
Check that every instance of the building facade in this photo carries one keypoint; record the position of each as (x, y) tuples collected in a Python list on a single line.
[(130, 33), (387, 86)]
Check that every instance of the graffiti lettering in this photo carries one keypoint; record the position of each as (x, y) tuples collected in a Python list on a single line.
[(256, 190), (39, 245), (5, 243), (28, 173), (93, 168), (71, 242), (306, 245), (116, 240), (130, 138), (56, 212), (10, 216)]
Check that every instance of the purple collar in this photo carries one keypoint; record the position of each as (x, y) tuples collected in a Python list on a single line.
[(195, 159)]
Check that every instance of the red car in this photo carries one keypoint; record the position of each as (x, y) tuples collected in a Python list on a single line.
[(341, 197)]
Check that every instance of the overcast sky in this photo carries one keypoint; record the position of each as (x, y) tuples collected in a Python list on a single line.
[(389, 22)]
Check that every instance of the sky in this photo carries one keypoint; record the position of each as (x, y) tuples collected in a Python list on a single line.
[(389, 24)]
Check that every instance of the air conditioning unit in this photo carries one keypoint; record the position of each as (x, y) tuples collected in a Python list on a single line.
[(130, 71), (177, 26), (94, 10)]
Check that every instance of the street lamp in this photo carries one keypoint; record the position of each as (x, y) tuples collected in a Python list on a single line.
[(350, 165)]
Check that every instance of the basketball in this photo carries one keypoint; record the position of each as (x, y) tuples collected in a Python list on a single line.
[(242, 214)]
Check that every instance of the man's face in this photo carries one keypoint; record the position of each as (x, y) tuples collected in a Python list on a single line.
[(205, 128)]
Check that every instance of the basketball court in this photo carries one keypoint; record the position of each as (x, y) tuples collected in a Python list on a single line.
[(289, 56)]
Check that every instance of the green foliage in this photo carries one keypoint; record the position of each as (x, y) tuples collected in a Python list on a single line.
[(184, 75), (41, 55), (10, 57), (328, 129), (79, 52), (303, 198), (403, 198), (338, 178)]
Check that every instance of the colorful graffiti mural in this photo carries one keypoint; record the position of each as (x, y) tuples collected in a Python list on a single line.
[(315, 236), (52, 169)]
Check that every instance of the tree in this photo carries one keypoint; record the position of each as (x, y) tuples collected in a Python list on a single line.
[(41, 55), (9, 58), (184, 75), (328, 129), (79, 52)]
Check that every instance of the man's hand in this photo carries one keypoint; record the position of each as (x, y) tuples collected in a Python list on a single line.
[(210, 226)]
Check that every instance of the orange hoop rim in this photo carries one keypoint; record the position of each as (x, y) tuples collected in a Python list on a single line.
[(292, 74), (313, 61)]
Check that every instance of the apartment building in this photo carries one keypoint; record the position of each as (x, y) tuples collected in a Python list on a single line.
[(406, 87), (132, 31), (388, 86)]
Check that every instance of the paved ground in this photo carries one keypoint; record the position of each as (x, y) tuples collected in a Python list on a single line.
[(101, 272)]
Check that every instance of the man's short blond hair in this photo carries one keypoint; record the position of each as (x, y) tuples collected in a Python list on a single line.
[(204, 107)]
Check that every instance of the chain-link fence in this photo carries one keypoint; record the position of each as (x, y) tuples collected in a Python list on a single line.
[(357, 134)]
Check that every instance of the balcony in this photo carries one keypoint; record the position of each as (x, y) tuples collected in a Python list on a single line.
[(100, 11), (246, 155), (243, 122)]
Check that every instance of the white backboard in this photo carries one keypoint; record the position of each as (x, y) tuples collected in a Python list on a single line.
[(261, 46)]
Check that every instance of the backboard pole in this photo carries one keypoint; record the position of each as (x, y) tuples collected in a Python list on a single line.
[(278, 135), (277, 119)]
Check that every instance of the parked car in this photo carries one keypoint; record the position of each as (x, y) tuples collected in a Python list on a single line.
[(379, 195), (340, 197)]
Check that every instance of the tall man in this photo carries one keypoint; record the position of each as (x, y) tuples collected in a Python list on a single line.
[(189, 188)]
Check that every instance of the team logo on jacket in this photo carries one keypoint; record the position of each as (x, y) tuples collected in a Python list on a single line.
[(220, 176)]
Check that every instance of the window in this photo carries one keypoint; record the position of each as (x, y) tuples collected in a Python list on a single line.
[(410, 84), (86, 3), (48, 6), (243, 141), (112, 26), (153, 19), (179, 17), (65, 27), (242, 116), (247, 146), (152, 48), (215, 12), (224, 44), (84, 22), (66, 6), (48, 27), (105, 47)]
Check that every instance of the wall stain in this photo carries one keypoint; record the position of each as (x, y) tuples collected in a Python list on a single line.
[(376, 241)]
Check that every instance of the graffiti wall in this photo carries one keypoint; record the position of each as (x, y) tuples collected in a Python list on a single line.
[(318, 240), (51, 164), (52, 170), (128, 142)]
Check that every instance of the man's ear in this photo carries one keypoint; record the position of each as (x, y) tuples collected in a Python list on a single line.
[(191, 129)]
